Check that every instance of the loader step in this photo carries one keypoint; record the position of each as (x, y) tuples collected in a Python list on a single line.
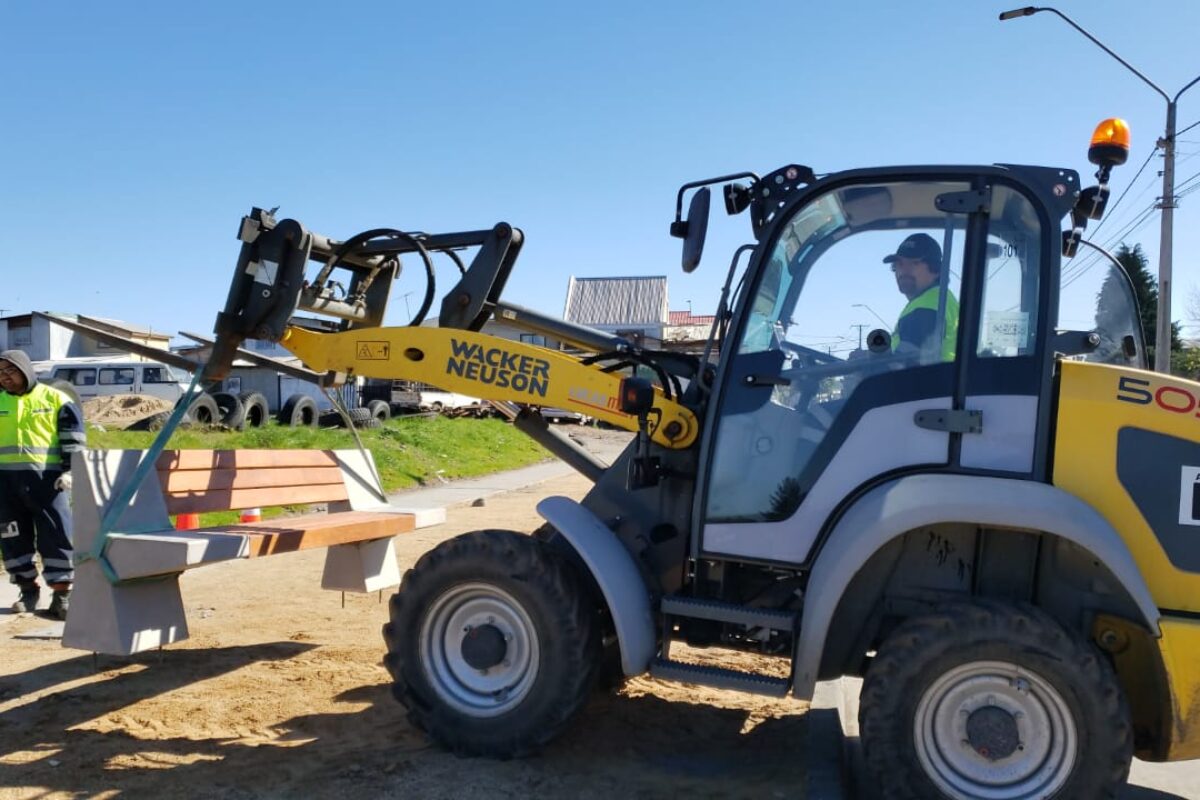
[(719, 678), (720, 611)]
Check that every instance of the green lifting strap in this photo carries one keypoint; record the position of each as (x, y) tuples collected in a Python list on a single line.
[(118, 505)]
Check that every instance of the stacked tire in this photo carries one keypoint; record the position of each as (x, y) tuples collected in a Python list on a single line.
[(254, 405), (299, 411)]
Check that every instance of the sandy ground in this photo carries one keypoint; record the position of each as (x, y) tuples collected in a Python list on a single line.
[(280, 692), (122, 410)]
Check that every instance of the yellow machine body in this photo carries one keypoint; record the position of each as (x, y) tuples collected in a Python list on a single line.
[(1128, 442)]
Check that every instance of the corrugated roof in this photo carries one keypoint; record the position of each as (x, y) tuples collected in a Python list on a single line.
[(617, 301), (116, 325), (686, 318)]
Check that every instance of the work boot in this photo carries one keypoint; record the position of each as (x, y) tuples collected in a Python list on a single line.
[(59, 603), (28, 600)]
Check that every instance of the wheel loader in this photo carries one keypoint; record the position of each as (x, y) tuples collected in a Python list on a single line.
[(995, 521)]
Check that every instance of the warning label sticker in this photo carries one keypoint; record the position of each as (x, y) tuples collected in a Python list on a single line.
[(373, 351)]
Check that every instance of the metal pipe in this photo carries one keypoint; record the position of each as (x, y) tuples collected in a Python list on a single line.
[(529, 421), (316, 303), (572, 333)]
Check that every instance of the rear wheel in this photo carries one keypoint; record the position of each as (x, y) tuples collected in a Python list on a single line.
[(492, 644), (987, 700)]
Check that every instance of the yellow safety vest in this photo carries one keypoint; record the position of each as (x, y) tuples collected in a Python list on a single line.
[(929, 299), (29, 428)]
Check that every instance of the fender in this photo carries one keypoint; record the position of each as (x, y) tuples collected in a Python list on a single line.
[(615, 573), (898, 506)]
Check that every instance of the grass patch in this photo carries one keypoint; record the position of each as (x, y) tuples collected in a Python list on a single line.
[(408, 451)]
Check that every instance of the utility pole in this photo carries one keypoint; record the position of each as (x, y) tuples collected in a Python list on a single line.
[(1162, 333), (860, 330)]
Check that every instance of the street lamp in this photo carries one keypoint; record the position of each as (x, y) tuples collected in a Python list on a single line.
[(886, 324), (1162, 334)]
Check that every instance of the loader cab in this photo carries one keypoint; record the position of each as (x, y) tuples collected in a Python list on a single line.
[(828, 385)]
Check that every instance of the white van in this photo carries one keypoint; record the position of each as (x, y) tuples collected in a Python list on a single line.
[(102, 378)]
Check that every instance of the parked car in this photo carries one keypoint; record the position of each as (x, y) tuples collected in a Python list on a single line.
[(563, 415), (102, 378)]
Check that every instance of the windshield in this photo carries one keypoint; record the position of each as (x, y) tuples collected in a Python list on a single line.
[(1096, 295)]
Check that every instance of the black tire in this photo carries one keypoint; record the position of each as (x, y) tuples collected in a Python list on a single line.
[(156, 422), (299, 411), (205, 411), (380, 410), (257, 410), (359, 417), (526, 593), (933, 670), (233, 413)]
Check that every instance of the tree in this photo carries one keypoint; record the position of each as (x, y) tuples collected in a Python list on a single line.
[(1137, 266)]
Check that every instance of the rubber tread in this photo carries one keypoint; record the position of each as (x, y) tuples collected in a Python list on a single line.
[(561, 610), (924, 647)]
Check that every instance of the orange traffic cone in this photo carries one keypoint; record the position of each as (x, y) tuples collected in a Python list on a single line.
[(187, 522), (251, 515)]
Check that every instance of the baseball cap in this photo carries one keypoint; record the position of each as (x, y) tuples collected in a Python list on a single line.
[(920, 246)]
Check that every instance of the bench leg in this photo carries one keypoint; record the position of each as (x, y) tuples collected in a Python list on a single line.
[(361, 567), (126, 618)]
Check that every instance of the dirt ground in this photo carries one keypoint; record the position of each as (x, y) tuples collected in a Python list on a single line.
[(280, 692), (122, 410)]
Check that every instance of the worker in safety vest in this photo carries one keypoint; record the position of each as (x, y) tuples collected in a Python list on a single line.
[(40, 428), (917, 264)]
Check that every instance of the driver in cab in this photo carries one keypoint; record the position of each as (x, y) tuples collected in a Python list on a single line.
[(917, 264)]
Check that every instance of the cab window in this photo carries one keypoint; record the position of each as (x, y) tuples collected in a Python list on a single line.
[(862, 283), (1008, 324)]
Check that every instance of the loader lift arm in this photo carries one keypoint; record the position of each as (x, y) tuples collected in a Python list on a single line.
[(269, 286)]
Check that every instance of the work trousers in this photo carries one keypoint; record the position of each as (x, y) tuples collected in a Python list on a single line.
[(35, 517)]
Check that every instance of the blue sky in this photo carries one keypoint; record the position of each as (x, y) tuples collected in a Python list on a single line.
[(133, 136)]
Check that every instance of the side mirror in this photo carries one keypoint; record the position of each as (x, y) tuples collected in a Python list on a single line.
[(696, 228)]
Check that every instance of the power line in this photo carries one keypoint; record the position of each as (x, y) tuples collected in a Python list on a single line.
[(1121, 235), (1085, 264), (1113, 207)]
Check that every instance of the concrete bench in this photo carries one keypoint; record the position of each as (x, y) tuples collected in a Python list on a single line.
[(135, 603)]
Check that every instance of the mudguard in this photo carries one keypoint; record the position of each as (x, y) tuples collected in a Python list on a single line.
[(901, 505), (615, 573)]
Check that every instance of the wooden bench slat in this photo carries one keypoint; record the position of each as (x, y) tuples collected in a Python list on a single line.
[(301, 533), (223, 479), (243, 459), (232, 499)]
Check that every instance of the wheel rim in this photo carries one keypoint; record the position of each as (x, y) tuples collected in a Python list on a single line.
[(995, 730), (447, 656)]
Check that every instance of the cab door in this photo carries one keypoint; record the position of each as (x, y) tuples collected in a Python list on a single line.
[(820, 394)]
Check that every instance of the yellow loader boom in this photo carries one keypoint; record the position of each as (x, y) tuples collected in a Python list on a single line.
[(489, 368)]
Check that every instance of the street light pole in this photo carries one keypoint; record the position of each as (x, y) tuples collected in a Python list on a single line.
[(1162, 332), (886, 324)]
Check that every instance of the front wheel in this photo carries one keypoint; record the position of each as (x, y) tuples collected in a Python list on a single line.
[(492, 644), (987, 700)]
